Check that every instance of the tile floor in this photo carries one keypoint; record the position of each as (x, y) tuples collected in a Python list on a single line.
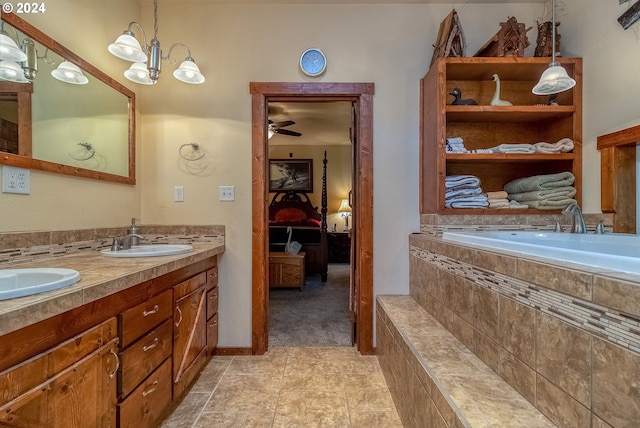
[(289, 387)]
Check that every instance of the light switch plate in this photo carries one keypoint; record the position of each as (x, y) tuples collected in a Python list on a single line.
[(228, 193), (16, 180), (178, 194)]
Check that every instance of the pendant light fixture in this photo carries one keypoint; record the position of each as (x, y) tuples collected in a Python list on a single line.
[(147, 59), (555, 78), (68, 72)]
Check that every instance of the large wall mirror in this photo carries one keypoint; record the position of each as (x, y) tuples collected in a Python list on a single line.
[(85, 130)]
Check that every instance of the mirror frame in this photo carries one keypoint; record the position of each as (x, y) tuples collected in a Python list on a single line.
[(24, 94)]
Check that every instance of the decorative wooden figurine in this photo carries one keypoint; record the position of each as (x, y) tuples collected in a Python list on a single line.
[(544, 41), (510, 40), (458, 101), (450, 40)]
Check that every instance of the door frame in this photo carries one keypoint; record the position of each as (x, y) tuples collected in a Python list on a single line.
[(361, 94)]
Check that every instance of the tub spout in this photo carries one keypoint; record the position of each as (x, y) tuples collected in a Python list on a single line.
[(578, 226)]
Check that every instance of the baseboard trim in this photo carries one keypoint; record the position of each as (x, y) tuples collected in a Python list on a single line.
[(232, 351)]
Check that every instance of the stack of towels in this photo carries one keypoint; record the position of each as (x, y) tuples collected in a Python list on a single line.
[(564, 145), (544, 192), (464, 191), (455, 145), (499, 199)]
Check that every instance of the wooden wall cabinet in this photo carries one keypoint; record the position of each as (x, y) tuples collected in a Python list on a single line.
[(70, 385), (483, 126), (189, 331)]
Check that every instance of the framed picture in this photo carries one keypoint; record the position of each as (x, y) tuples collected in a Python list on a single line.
[(291, 174)]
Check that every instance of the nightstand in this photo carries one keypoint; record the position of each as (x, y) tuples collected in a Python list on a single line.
[(339, 247)]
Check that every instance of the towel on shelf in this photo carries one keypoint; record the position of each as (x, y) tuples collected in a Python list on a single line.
[(478, 201), (518, 205), (461, 180), (539, 182), (555, 194), (480, 151), (500, 194), (550, 205), (498, 203), (455, 145), (514, 148), (457, 192), (564, 145)]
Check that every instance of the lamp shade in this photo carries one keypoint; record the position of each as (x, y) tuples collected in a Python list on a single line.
[(344, 206), (12, 72), (188, 72), (554, 80), (128, 48), (9, 50), (68, 72), (139, 73)]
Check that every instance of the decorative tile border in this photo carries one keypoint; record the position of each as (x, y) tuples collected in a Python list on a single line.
[(608, 324)]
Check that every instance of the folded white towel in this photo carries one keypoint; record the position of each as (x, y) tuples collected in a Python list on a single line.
[(481, 151), (498, 203), (455, 145), (514, 148), (451, 181), (457, 192), (555, 194), (517, 205), (564, 145), (539, 182), (455, 140), (479, 201)]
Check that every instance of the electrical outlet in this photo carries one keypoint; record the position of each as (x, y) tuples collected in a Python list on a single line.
[(227, 193), (16, 180), (178, 194)]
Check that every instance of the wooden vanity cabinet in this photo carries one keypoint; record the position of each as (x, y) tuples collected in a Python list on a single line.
[(212, 310), (189, 331), (70, 385)]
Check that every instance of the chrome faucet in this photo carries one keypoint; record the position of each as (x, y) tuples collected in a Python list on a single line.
[(124, 243), (573, 209)]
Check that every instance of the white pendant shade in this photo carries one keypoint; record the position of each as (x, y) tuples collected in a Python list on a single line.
[(12, 72), (9, 50), (188, 72), (554, 80), (139, 73), (68, 72), (128, 48)]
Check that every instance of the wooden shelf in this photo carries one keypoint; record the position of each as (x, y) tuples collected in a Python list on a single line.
[(504, 157), (507, 114)]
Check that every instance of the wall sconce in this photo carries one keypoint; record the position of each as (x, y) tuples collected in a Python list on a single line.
[(345, 212), (555, 78), (147, 59)]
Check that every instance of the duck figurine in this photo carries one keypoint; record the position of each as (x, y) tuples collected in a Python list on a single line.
[(458, 101), (496, 101)]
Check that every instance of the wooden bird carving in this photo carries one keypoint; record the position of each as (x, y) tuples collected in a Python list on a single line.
[(496, 101), (458, 101)]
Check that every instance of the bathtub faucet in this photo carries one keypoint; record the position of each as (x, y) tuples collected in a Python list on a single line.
[(573, 209)]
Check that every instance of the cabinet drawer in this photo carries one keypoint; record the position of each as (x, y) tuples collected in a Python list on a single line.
[(191, 284), (147, 402), (140, 319), (212, 278), (212, 334), (144, 356), (212, 302)]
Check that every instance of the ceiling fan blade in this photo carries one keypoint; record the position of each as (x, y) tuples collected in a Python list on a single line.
[(284, 123), (287, 132)]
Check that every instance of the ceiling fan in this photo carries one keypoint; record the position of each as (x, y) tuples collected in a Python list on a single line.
[(277, 128)]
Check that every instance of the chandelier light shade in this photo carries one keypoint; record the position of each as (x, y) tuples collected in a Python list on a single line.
[(9, 50), (68, 72), (11, 71), (127, 47), (555, 78)]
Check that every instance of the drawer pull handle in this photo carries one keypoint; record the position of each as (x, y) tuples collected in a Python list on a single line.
[(179, 313), (153, 345), (215, 323), (115, 354), (149, 391), (155, 310)]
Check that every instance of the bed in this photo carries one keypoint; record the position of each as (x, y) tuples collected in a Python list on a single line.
[(309, 227)]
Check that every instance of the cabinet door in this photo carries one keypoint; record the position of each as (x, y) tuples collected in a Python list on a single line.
[(189, 338), (82, 394)]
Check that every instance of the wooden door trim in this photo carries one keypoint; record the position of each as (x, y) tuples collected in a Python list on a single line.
[(362, 95), (618, 177)]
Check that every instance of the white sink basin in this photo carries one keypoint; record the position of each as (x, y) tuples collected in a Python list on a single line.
[(149, 250), (25, 282)]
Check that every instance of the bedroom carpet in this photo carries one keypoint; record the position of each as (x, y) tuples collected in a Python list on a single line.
[(316, 316)]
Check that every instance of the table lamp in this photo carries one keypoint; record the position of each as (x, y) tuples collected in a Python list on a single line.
[(345, 212)]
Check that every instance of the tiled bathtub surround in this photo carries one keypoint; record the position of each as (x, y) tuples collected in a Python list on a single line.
[(18, 247), (562, 337)]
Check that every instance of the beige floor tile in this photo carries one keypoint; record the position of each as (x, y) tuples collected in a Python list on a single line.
[(361, 364), (235, 420), (187, 411), (243, 399), (375, 419), (211, 375)]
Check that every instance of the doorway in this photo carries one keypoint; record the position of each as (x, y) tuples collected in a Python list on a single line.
[(361, 95)]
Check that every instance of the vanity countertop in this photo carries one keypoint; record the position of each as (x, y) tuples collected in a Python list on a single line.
[(100, 276)]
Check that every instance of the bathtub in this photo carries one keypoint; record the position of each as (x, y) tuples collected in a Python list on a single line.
[(615, 251)]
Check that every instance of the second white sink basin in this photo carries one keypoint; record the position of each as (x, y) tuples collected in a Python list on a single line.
[(25, 282), (149, 250)]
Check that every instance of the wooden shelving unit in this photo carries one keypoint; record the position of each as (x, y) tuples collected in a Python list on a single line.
[(529, 120)]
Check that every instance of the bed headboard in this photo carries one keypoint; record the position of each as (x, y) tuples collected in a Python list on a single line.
[(292, 207)]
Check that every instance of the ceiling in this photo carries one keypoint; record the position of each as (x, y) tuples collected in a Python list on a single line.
[(322, 123), (352, 1)]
